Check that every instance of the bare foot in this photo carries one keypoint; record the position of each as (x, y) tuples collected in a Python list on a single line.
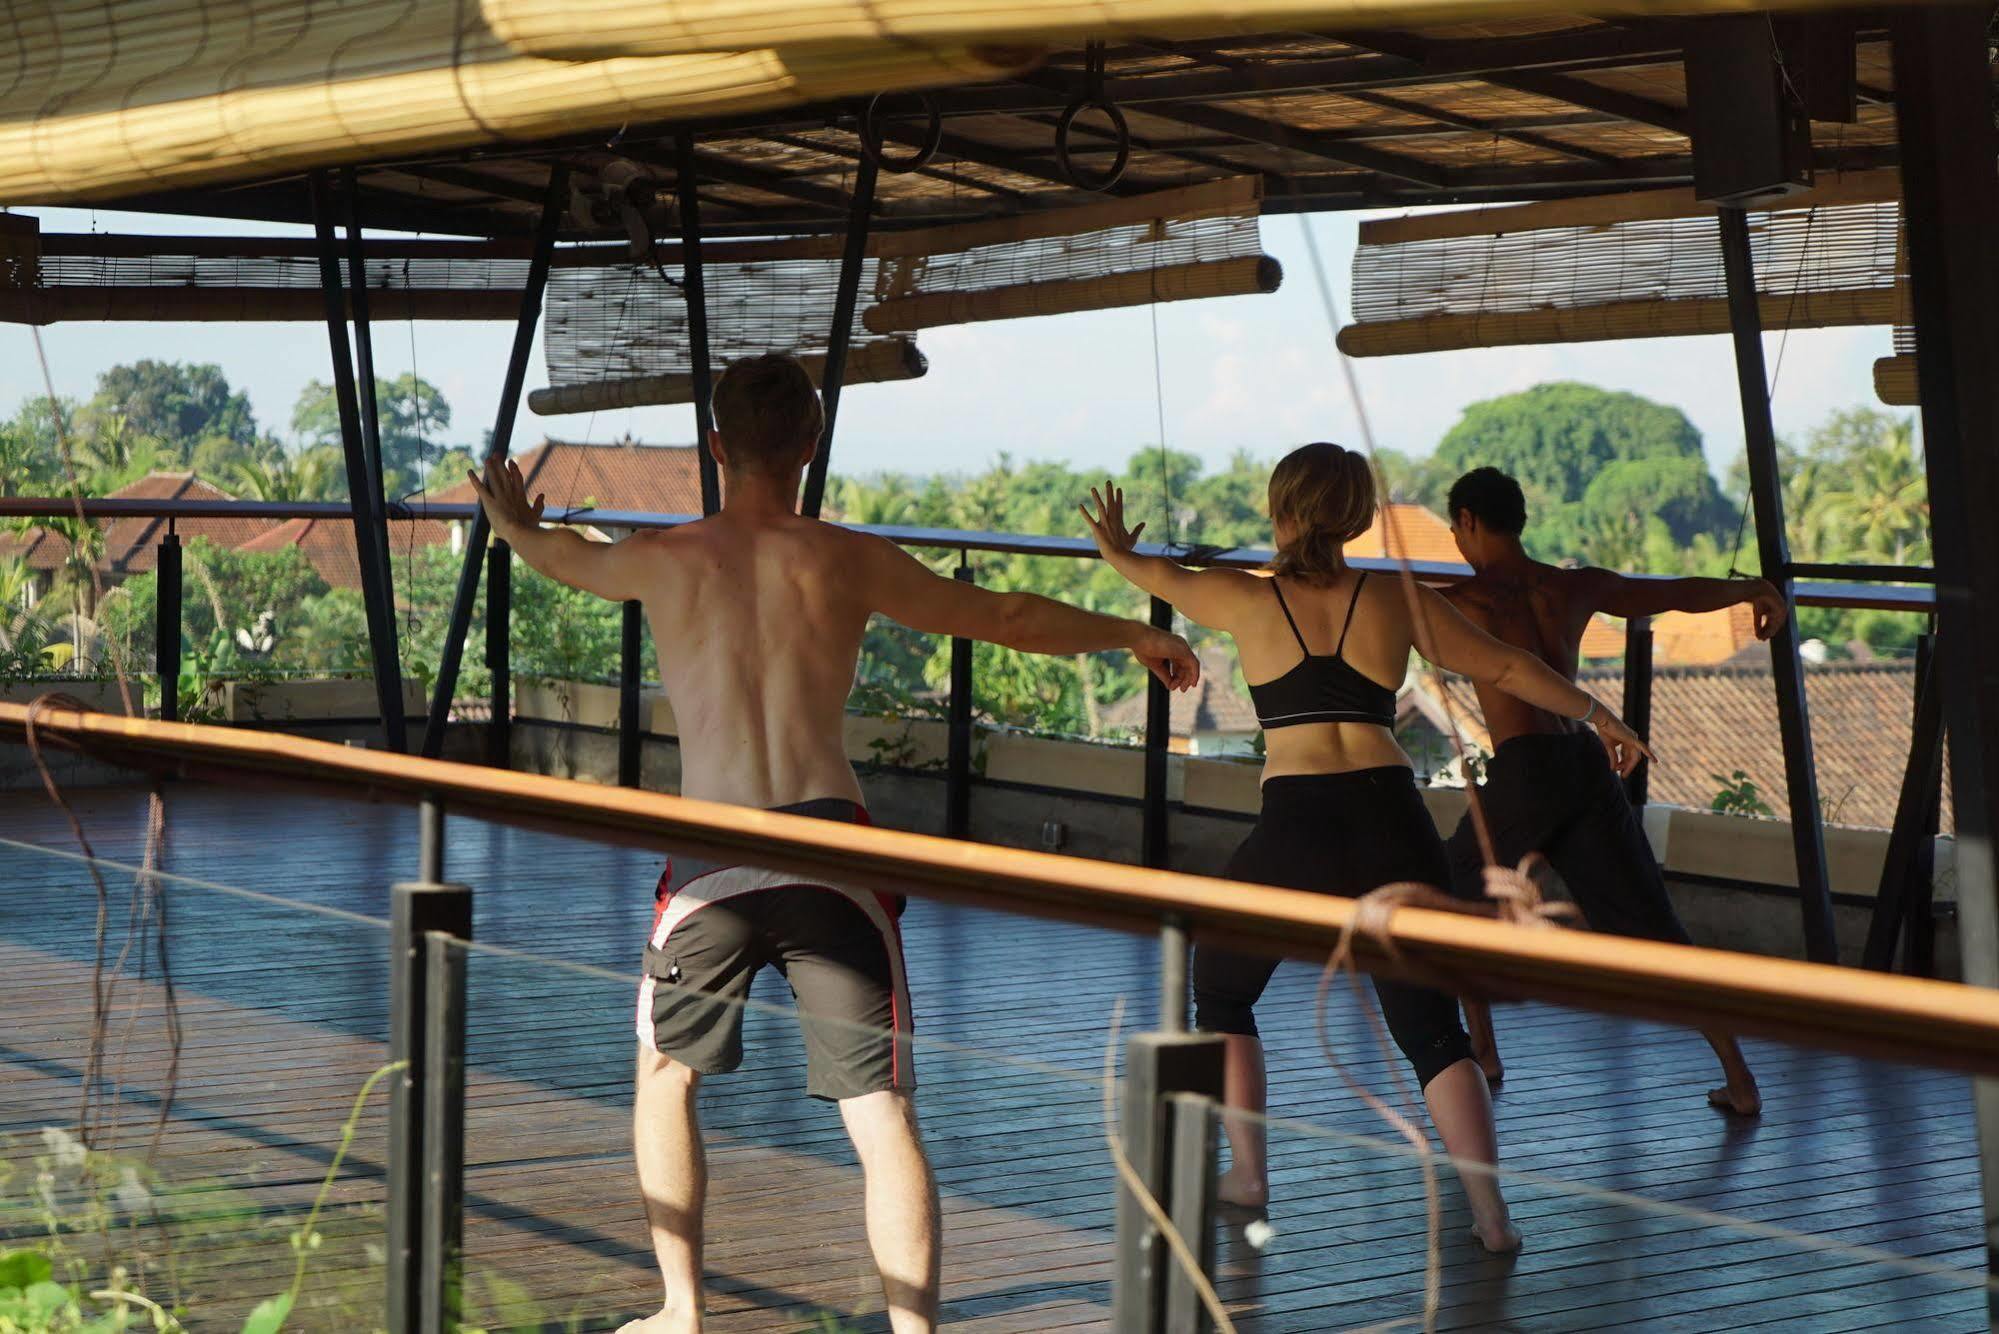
[(1740, 1099), (667, 1321), (1502, 1240), (1242, 1190)]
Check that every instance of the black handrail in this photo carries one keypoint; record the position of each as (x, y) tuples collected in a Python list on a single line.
[(1848, 595)]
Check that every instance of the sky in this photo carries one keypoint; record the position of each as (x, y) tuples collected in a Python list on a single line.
[(1250, 372)]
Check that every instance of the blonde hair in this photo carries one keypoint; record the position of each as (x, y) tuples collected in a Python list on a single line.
[(1325, 494)]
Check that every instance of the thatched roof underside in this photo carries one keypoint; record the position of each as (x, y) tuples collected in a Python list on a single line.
[(1512, 109)]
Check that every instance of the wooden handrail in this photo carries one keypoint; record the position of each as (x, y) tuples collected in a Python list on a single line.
[(1914, 1020)]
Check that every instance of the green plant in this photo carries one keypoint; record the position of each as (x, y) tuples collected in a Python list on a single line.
[(1739, 795)]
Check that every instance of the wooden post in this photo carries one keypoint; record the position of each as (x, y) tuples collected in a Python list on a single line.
[(1154, 840), (958, 753), (694, 287), (1638, 700), (166, 624), (1950, 210)]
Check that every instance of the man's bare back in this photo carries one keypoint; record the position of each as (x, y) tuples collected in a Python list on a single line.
[(1536, 607)]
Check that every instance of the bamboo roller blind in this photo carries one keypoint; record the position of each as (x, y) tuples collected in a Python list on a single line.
[(98, 100), (593, 29), (625, 322), (1637, 278)]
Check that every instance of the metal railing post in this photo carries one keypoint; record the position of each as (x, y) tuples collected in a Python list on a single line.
[(1638, 700), (425, 1180), (958, 752), (631, 671), (440, 1265), (1172, 1093), (500, 653), (166, 624), (1153, 836)]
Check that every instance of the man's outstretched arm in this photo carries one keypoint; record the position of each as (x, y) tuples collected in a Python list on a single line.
[(1623, 596), (906, 590), (608, 569)]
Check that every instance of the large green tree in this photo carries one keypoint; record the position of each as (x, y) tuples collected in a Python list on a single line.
[(177, 403), (414, 416)]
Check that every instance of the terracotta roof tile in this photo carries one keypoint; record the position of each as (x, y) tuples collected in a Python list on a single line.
[(1216, 705), (328, 544), (657, 479), (1410, 532), (131, 546), (1715, 720)]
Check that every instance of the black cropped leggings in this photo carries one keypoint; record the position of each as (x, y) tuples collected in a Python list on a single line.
[(1340, 834)]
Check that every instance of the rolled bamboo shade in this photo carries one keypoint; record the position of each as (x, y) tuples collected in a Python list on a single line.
[(100, 100), (1615, 321), (871, 363), (594, 29), (1177, 282), (1895, 381), (1615, 270)]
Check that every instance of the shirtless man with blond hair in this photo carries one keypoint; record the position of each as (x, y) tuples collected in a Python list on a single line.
[(759, 614), (1547, 788)]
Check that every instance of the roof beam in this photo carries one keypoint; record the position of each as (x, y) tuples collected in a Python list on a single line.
[(1526, 138), (1291, 139)]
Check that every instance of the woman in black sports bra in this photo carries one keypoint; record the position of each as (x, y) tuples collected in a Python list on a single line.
[(1326, 648)]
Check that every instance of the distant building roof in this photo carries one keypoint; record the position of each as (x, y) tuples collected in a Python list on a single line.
[(131, 546), (1215, 706), (1679, 638), (1716, 720), (328, 544), (1403, 531), (656, 479)]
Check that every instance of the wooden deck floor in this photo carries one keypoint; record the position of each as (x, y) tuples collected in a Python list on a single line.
[(283, 1011)]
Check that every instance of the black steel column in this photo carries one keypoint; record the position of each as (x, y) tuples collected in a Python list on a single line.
[(364, 372), (376, 595), (1915, 807), (835, 373), (500, 653), (1637, 708), (1774, 553), (1153, 845), (166, 624), (1920, 931), (631, 673), (416, 910), (552, 207), (694, 287), (1950, 210), (958, 751)]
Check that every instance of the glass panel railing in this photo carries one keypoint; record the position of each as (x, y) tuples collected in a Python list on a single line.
[(192, 1110)]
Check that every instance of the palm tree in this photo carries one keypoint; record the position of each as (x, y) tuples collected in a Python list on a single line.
[(288, 477), (1883, 509)]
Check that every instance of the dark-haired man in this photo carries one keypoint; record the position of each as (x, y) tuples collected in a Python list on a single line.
[(1548, 788), (759, 614)]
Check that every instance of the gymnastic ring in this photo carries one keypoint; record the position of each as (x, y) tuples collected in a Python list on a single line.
[(1118, 163), (871, 139)]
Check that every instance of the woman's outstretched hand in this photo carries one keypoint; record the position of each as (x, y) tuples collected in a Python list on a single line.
[(1107, 524), (1620, 743)]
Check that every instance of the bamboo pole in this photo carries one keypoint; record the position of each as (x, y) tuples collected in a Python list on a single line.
[(241, 305), (870, 363), (165, 94), (1174, 282), (1944, 1024), (1616, 320)]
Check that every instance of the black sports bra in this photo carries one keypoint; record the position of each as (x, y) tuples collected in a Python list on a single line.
[(1323, 688)]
